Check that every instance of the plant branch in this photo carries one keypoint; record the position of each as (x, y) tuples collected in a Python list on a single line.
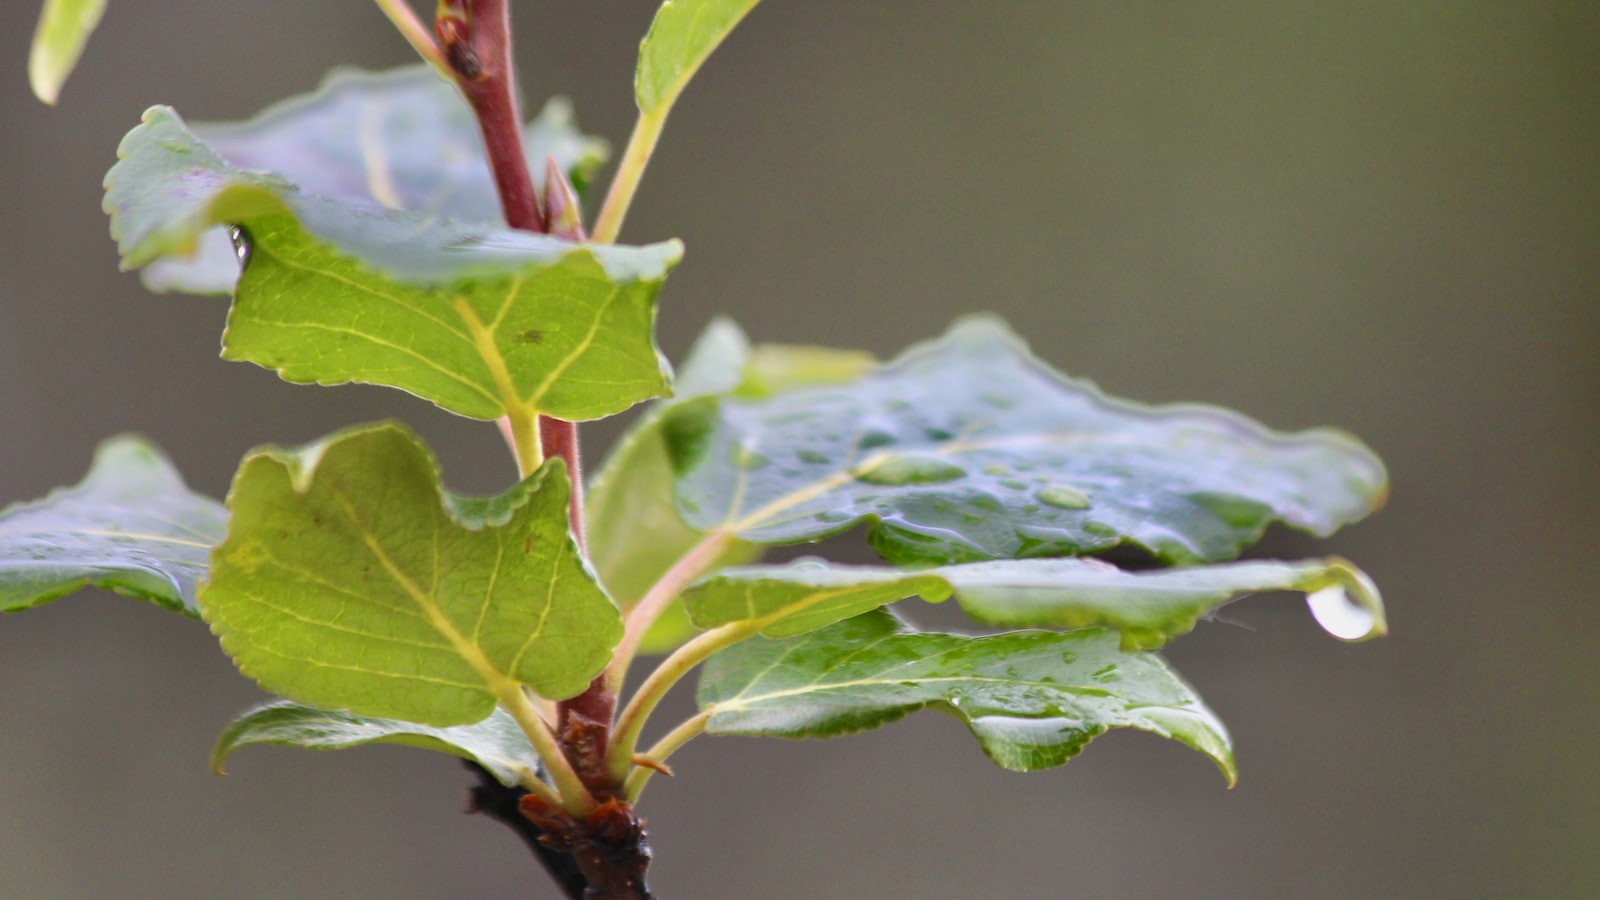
[(476, 40), (641, 145), (416, 33), (503, 804)]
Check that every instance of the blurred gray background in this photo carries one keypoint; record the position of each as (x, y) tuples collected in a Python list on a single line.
[(1380, 216)]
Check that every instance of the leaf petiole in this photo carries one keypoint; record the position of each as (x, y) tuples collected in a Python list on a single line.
[(686, 731), (573, 795), (641, 145), (682, 661), (690, 566), (417, 34)]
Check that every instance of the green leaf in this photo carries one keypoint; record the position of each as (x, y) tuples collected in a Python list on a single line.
[(1033, 699), (63, 30), (635, 532), (1147, 608), (131, 526), (682, 35), (482, 320), (969, 448), (401, 139), (804, 595), (496, 743), (350, 580)]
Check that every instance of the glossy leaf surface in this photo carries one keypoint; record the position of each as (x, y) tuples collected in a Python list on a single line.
[(131, 526), (682, 36), (401, 139), (496, 743), (968, 448), (635, 532), (350, 580), (1033, 699), (803, 596), (58, 41), (1147, 608), (481, 320)]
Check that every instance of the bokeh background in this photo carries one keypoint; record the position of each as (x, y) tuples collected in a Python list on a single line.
[(1381, 216)]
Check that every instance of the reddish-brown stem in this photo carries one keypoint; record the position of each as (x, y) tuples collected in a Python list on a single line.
[(475, 36), (476, 41)]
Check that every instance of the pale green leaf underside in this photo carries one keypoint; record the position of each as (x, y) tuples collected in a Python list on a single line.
[(350, 581), (58, 41), (1147, 608), (635, 532), (1033, 699), (479, 319), (682, 36), (401, 139), (496, 743), (968, 448), (131, 526)]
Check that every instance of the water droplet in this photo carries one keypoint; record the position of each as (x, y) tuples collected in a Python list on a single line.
[(938, 435), (903, 470), (1014, 484), (1068, 657), (1059, 495), (812, 456), (875, 438), (1341, 616), (1099, 529), (1106, 674), (241, 244)]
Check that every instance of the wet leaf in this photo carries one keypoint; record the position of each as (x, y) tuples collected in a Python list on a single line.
[(130, 526), (635, 532), (968, 448), (401, 139), (681, 37), (496, 743), (58, 41), (350, 580), (1147, 608), (482, 320), (803, 596), (1033, 699)]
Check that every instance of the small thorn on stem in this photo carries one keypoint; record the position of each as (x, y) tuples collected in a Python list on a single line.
[(639, 759)]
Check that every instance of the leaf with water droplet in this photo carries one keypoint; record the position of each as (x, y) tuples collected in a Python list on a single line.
[(351, 580), (130, 526), (496, 743), (1147, 608), (635, 532), (339, 290), (802, 596), (400, 139), (874, 669), (942, 464)]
